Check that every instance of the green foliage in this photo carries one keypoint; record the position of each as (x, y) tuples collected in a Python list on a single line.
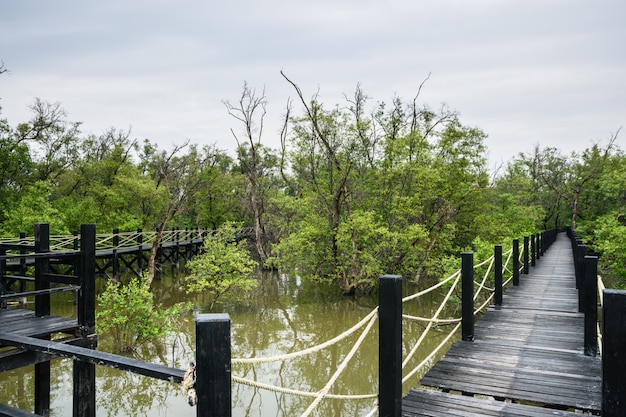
[(223, 268), (608, 237), (33, 206), (129, 314)]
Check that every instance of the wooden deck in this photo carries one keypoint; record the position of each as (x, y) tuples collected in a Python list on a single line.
[(529, 350)]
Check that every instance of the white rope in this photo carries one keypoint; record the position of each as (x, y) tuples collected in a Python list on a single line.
[(490, 259), (432, 354), (372, 412), (324, 391), (299, 393), (311, 349), (426, 319), (483, 305), (482, 283), (601, 288), (434, 287), (430, 324)]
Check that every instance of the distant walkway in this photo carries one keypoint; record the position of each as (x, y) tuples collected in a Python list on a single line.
[(529, 350)]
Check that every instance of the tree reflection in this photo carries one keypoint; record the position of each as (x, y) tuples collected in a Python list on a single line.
[(281, 316)]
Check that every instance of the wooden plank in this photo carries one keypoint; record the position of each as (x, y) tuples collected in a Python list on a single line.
[(92, 356), (530, 348), (420, 402)]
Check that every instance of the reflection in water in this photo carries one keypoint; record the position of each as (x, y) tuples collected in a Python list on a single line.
[(281, 316)]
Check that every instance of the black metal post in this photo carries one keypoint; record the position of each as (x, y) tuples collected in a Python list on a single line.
[(579, 270), (538, 245), (591, 305), (580, 251), (3, 283), (139, 251), (526, 255), (42, 245), (497, 269), (390, 346), (23, 264), (213, 369), (613, 348), (42, 308), (115, 260), (467, 296), (533, 250), (515, 262), (84, 400)]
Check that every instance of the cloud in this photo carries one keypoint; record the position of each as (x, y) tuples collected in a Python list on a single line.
[(523, 71)]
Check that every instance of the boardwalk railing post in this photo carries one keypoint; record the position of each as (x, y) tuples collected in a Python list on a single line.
[(467, 296), (538, 245), (139, 251), (515, 262), (590, 304), (537, 254), (613, 348), (84, 400), (115, 260), (533, 250), (42, 308), (579, 271), (390, 346), (213, 367), (526, 255), (497, 257)]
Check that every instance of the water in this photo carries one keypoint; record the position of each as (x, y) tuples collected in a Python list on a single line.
[(282, 315)]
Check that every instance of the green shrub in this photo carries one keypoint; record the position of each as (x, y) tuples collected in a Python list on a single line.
[(128, 313), (224, 267)]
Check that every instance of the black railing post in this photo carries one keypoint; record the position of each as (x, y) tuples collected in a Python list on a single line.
[(390, 346), (84, 400), (579, 270), (3, 283), (613, 348), (538, 245), (590, 282), (115, 260), (526, 255), (23, 265), (139, 251), (533, 250), (580, 251), (213, 368), (42, 308), (497, 265), (515, 262), (87, 277), (467, 296)]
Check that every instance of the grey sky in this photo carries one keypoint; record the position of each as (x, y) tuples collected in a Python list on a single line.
[(551, 72)]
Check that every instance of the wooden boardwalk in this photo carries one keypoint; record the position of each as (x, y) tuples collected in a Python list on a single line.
[(528, 352)]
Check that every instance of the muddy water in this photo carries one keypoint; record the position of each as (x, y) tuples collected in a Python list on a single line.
[(282, 315)]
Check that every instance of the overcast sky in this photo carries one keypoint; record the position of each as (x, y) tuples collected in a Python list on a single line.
[(548, 72)]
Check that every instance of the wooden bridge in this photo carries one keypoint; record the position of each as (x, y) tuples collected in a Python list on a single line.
[(116, 252), (533, 353), (36, 337), (536, 353)]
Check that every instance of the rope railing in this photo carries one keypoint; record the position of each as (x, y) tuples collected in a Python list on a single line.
[(601, 289), (105, 241), (322, 393), (366, 324), (430, 323), (313, 349)]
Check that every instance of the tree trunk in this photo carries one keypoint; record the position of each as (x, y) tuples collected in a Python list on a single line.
[(153, 254)]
